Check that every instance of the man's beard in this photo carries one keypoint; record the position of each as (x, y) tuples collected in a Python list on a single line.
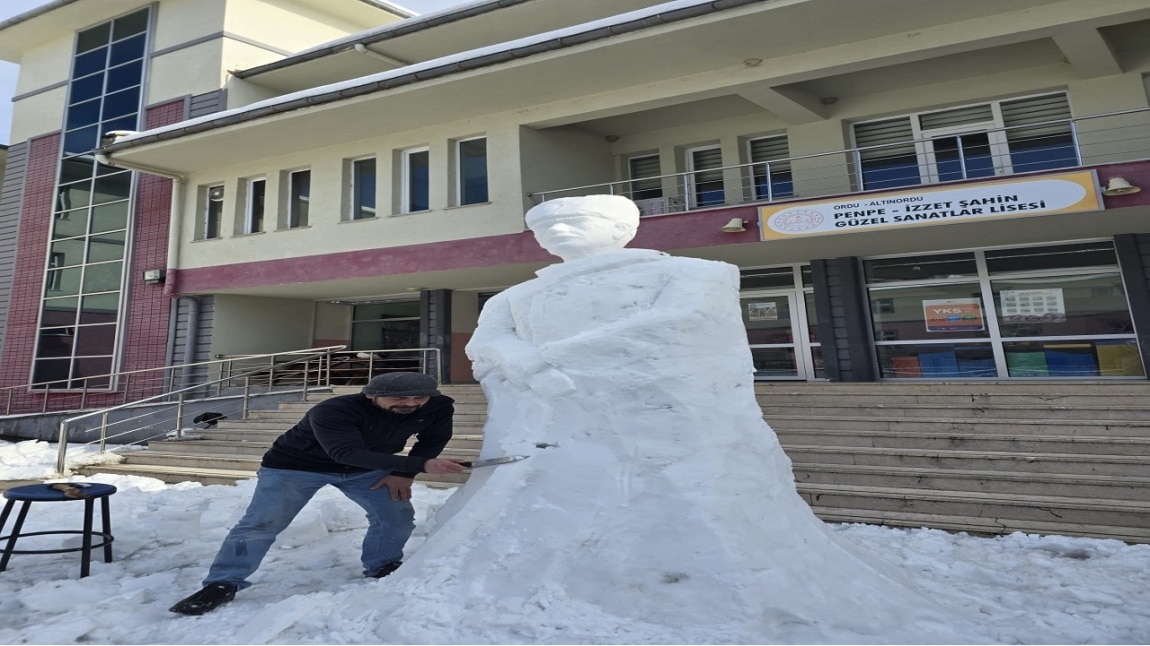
[(402, 409)]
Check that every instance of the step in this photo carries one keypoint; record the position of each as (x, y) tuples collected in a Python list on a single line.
[(999, 412), (171, 474), (977, 525), (209, 476), (1001, 508), (1101, 465), (1045, 387), (960, 425), (832, 397), (974, 441), (238, 443), (995, 482)]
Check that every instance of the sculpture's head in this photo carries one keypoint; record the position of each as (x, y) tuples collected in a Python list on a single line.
[(577, 227)]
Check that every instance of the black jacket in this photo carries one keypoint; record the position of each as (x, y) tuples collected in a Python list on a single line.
[(350, 434)]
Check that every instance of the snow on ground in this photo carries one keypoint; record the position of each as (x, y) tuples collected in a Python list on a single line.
[(1057, 589)]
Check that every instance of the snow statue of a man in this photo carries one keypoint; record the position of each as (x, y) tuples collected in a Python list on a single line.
[(655, 504)]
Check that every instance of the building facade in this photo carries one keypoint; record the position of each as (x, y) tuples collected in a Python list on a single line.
[(911, 190)]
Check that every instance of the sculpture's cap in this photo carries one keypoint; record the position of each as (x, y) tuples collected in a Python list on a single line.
[(611, 207)]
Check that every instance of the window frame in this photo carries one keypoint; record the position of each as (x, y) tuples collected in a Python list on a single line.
[(252, 222), (461, 179), (297, 213), (212, 215), (355, 197), (406, 179)]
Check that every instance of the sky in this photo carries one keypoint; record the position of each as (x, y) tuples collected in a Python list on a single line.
[(1048, 589), (9, 71)]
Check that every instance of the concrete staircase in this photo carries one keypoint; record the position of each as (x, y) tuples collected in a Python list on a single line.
[(988, 457)]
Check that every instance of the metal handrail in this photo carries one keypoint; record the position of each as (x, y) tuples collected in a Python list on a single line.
[(311, 353), (853, 155), (124, 378), (333, 365)]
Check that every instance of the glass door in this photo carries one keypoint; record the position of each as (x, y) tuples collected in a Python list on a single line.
[(775, 331)]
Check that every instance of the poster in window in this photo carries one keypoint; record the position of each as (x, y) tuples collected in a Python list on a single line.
[(767, 311), (953, 315), (1032, 305)]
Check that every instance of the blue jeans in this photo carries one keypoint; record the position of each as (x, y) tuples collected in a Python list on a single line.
[(279, 497)]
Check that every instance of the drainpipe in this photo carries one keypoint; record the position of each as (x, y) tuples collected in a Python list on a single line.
[(176, 211), (191, 339)]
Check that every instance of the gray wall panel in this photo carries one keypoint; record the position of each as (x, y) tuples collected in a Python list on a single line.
[(11, 200)]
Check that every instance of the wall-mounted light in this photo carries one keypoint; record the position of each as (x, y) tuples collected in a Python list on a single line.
[(734, 226), (152, 276), (1119, 186)]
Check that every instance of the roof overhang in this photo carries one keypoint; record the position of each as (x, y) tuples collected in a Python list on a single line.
[(568, 66)]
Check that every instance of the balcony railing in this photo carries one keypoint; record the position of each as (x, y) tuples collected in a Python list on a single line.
[(976, 154)]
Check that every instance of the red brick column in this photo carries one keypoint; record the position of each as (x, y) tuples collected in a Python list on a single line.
[(148, 308)]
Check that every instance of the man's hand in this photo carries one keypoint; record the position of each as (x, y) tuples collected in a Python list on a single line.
[(398, 486), (440, 465)]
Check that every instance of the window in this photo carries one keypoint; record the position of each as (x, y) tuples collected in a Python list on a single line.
[(414, 193), (213, 212), (771, 168), (706, 176), (1048, 311), (644, 172), (391, 325), (254, 207), (362, 188), (471, 155), (299, 198), (969, 142), (79, 316)]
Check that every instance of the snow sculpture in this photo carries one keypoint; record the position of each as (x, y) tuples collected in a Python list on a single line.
[(656, 503)]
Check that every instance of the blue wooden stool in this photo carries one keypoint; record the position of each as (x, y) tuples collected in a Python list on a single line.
[(89, 492)]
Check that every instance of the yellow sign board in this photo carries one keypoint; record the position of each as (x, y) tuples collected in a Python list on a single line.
[(1020, 197)]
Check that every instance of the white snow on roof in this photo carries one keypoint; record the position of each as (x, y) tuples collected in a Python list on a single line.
[(426, 65)]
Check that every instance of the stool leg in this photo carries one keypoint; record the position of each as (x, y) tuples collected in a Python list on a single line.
[(86, 546), (106, 517), (15, 531)]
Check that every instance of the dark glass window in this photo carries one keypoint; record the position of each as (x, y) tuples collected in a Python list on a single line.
[(90, 63), (81, 141), (133, 23), (89, 87), (121, 103), (75, 170), (70, 224), (109, 246), (66, 253), (110, 217), (767, 278), (125, 76), (363, 189), (90, 39), (473, 171), (950, 265), (99, 308), (127, 50), (1090, 254), (74, 196), (82, 114), (111, 188), (300, 199), (418, 181), (104, 277), (94, 340), (963, 157)]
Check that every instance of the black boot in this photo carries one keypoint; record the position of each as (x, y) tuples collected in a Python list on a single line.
[(385, 570), (211, 597)]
